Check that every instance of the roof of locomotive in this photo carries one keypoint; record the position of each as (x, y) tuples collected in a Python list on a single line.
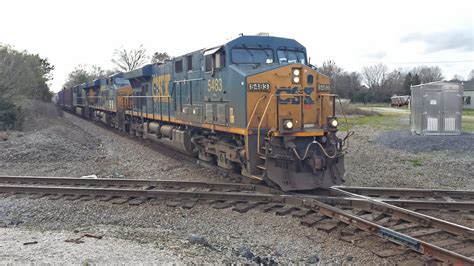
[(265, 42), (145, 71), (249, 41)]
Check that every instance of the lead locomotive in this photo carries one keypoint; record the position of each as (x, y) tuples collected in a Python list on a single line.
[(253, 105)]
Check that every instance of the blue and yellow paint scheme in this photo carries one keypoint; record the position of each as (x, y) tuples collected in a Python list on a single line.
[(253, 105)]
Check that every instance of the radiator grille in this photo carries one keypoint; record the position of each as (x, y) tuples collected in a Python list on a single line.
[(432, 124), (450, 124)]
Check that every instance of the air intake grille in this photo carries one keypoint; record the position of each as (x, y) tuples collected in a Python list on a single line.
[(450, 124), (432, 124)]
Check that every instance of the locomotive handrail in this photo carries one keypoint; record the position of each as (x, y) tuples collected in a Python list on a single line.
[(254, 110), (188, 80)]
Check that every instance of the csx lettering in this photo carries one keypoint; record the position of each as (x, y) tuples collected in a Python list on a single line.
[(307, 98), (292, 99), (161, 85), (214, 85)]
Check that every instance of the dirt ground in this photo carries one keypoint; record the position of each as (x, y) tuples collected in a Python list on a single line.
[(57, 144)]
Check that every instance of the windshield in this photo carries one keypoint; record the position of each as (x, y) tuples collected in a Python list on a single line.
[(252, 56), (288, 56)]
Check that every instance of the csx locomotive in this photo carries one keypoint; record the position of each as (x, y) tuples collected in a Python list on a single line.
[(253, 105)]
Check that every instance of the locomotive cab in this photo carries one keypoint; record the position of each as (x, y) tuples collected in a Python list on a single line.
[(290, 115)]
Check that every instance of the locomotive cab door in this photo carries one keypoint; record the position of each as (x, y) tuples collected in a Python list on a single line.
[(215, 94)]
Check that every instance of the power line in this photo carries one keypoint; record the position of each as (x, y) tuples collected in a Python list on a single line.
[(427, 62)]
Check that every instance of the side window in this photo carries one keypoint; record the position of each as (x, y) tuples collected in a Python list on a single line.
[(189, 60), (178, 66), (208, 63), (219, 60), (214, 61), (467, 100)]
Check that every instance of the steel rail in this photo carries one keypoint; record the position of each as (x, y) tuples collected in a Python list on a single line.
[(405, 203), (136, 182), (417, 245), (409, 215), (412, 192), (139, 193), (294, 200)]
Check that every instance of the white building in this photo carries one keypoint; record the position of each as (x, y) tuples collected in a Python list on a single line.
[(468, 98)]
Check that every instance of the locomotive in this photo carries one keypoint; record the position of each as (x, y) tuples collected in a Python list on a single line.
[(253, 105)]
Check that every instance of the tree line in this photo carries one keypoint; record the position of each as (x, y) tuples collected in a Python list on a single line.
[(124, 60), (22, 76), (377, 83)]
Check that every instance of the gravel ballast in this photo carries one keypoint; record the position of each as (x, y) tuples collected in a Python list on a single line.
[(70, 146), (379, 158)]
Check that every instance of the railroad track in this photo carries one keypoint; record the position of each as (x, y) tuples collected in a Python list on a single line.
[(416, 199), (359, 217)]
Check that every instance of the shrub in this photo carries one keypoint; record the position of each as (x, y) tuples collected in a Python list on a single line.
[(11, 115)]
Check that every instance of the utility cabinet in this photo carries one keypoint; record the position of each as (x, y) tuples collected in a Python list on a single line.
[(436, 108)]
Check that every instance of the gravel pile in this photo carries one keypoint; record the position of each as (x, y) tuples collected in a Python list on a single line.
[(71, 146), (398, 159), (413, 143)]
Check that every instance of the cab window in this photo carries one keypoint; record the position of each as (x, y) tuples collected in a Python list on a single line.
[(246, 55), (289, 56)]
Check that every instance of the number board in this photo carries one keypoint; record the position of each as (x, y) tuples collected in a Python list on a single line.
[(324, 87), (259, 87)]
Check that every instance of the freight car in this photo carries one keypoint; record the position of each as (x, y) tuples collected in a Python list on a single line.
[(253, 105), (65, 99)]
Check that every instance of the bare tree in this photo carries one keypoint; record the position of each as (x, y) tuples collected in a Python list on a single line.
[(471, 75), (330, 69), (428, 74), (127, 60), (374, 76), (160, 57), (457, 77)]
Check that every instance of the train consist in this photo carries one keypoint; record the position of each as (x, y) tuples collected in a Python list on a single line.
[(253, 105)]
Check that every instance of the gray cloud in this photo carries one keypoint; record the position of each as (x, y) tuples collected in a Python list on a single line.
[(376, 54), (457, 39)]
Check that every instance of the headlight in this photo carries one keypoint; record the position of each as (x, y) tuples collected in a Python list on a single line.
[(296, 80), (334, 123), (296, 72), (288, 124)]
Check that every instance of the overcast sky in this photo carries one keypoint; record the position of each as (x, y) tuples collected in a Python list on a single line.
[(352, 33)]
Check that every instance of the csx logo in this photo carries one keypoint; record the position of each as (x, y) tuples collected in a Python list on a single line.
[(292, 99)]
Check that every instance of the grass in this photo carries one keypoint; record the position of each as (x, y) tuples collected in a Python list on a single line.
[(350, 109), (468, 112), (385, 119), (468, 120), (416, 162), (372, 105), (388, 121)]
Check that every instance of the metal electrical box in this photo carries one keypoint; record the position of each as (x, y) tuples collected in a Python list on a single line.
[(436, 108)]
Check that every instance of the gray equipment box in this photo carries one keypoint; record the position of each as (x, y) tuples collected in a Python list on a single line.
[(436, 108)]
